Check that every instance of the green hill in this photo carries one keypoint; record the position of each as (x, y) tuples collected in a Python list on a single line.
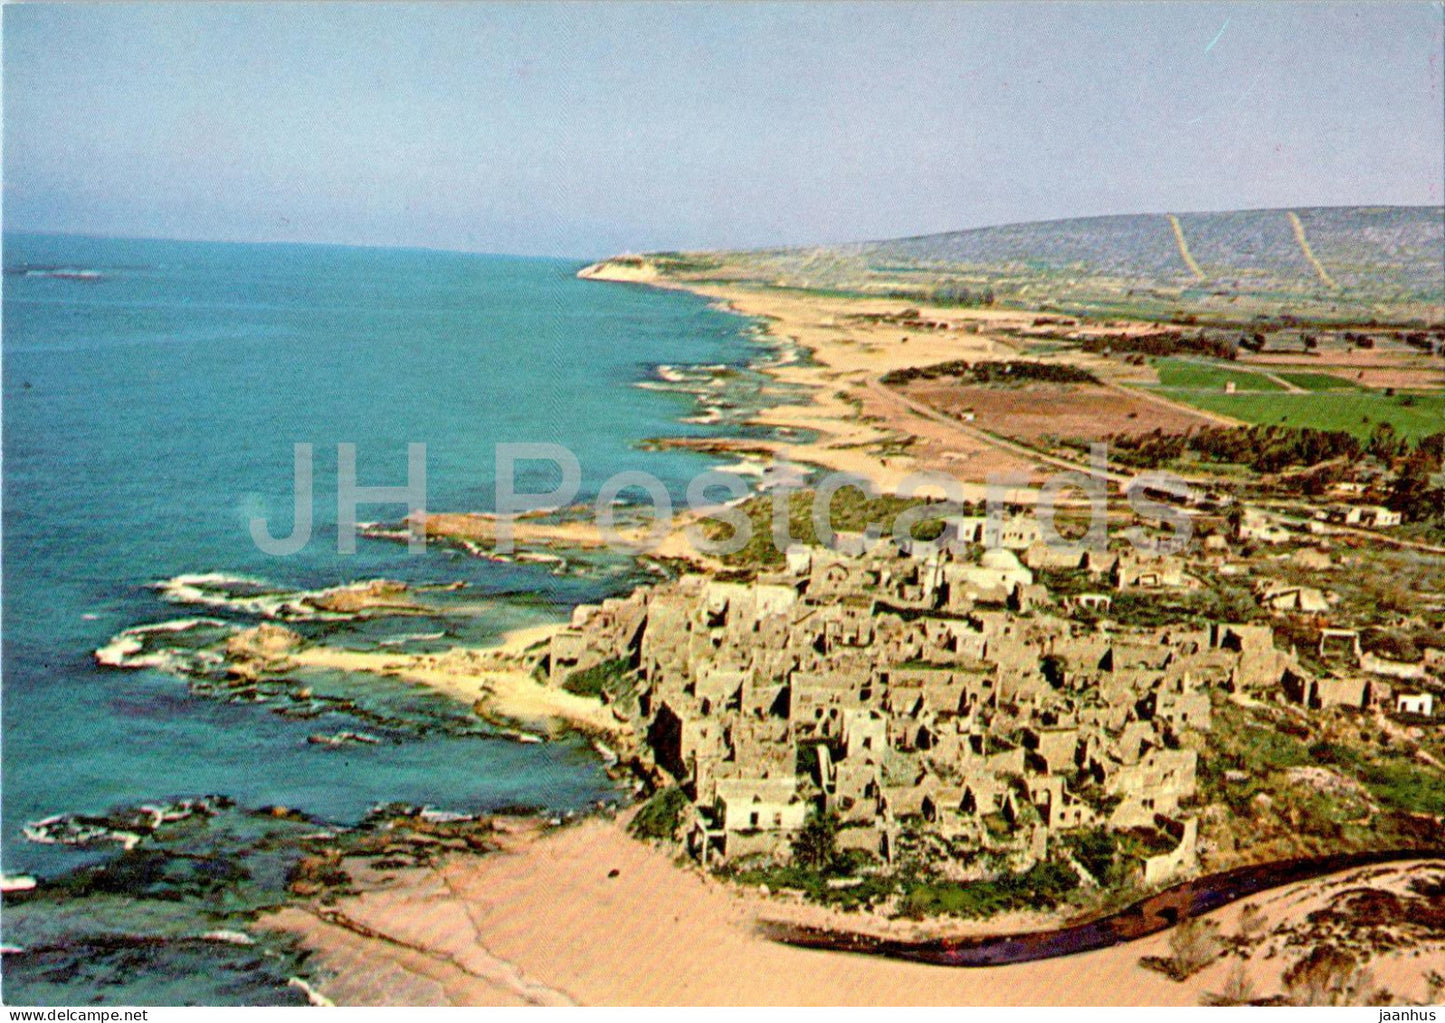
[(1334, 263)]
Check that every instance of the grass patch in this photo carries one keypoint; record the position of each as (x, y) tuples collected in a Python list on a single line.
[(1396, 781), (607, 677), (851, 512), (1042, 886), (1413, 415), (660, 816), (1318, 381), (1186, 374), (863, 889)]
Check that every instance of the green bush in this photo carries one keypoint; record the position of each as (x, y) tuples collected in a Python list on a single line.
[(1042, 886), (1097, 852), (608, 677), (815, 847), (660, 816)]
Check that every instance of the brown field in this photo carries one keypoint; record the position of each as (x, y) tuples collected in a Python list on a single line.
[(1037, 412), (1369, 358)]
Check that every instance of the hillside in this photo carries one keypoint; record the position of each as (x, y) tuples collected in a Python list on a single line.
[(1336, 263)]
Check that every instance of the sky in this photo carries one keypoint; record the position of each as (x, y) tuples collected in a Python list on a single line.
[(584, 130)]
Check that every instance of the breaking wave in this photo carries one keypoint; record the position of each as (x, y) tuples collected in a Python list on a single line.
[(256, 598), (183, 646)]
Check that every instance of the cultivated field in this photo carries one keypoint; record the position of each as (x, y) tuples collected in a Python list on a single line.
[(1413, 415), (1046, 413)]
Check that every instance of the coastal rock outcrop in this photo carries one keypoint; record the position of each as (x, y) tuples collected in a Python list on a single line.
[(264, 642)]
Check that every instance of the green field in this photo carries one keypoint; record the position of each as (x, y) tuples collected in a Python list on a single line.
[(1318, 381), (1359, 412), (1202, 376)]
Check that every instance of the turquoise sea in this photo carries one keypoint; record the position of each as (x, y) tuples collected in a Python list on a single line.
[(152, 392)]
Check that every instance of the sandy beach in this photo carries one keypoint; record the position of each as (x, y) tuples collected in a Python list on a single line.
[(587, 915), (865, 428)]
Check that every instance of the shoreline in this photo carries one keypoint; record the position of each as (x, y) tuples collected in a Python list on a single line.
[(587, 914), (488, 678), (859, 427)]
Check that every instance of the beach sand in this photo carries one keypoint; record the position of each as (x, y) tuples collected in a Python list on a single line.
[(856, 432), (588, 915)]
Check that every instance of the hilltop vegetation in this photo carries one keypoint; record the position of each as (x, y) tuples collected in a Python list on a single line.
[(1371, 264)]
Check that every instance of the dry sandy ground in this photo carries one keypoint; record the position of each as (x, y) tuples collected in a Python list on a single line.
[(587, 915), (856, 434), (1037, 412)]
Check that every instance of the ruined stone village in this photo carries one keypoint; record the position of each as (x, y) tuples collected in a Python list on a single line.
[(944, 691)]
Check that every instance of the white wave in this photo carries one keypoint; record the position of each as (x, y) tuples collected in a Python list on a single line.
[(229, 937), (412, 637), (744, 468), (132, 648), (62, 829), (245, 595), (118, 652), (383, 531), (220, 590), (313, 996)]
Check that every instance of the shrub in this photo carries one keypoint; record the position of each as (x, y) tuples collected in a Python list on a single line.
[(1330, 976), (594, 681), (1238, 989), (1097, 852), (1193, 945), (659, 817), (815, 847)]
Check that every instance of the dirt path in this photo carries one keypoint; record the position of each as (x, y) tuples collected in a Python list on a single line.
[(1377, 536), (918, 408)]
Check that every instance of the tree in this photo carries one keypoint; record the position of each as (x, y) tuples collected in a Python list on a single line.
[(1235, 517), (1385, 443), (816, 844), (1411, 494)]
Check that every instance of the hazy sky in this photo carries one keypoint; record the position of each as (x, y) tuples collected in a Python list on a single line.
[(584, 130)]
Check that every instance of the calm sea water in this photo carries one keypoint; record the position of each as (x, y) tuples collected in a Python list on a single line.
[(152, 394)]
